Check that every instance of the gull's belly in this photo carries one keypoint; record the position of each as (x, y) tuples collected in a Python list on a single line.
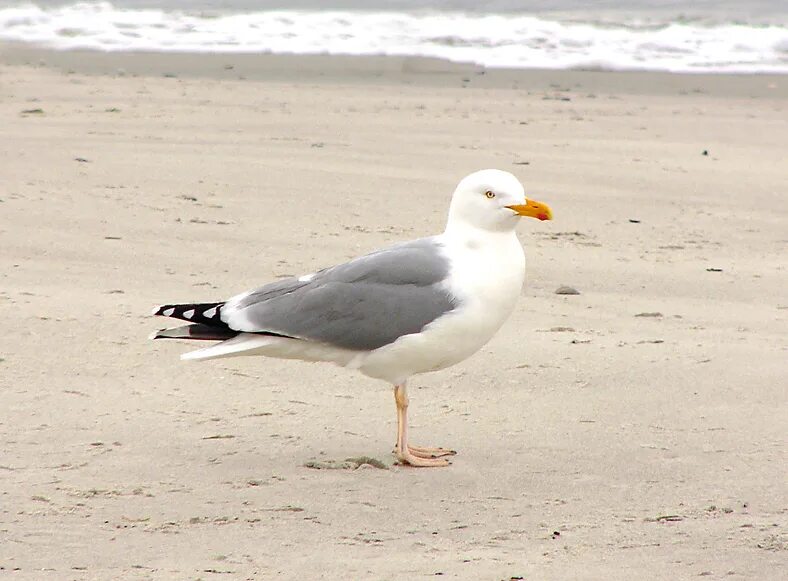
[(487, 288)]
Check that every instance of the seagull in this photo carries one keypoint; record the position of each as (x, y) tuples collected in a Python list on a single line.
[(411, 308)]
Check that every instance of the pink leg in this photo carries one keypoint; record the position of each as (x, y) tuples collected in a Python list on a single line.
[(414, 455)]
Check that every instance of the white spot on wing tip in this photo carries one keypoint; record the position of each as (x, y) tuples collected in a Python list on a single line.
[(188, 314), (168, 312), (155, 310), (210, 313)]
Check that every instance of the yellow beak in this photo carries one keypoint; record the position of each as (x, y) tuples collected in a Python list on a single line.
[(533, 209)]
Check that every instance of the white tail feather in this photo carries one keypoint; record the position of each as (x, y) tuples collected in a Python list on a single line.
[(243, 344)]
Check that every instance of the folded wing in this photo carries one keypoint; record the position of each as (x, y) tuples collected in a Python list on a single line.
[(363, 304)]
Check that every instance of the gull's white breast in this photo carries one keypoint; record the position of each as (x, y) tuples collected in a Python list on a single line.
[(486, 277)]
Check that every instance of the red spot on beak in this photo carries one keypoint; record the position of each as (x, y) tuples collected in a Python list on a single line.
[(542, 217)]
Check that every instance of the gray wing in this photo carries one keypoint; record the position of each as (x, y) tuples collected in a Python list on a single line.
[(363, 304)]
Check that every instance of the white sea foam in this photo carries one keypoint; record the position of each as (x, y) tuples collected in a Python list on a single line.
[(517, 41)]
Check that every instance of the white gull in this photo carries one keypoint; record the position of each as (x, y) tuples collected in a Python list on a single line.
[(411, 308)]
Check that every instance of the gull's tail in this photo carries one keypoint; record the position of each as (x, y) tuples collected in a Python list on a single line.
[(207, 325), (206, 318)]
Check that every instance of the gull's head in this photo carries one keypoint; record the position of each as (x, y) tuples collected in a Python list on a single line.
[(492, 199)]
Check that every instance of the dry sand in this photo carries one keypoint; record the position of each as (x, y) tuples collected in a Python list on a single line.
[(597, 440)]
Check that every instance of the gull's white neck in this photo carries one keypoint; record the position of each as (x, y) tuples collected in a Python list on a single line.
[(489, 257), (461, 232)]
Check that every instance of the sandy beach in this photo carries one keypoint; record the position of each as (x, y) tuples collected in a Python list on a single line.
[(633, 431)]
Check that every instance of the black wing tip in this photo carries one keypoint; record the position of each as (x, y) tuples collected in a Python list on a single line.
[(208, 313), (196, 331)]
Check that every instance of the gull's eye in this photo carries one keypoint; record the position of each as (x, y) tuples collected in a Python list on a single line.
[(490, 195)]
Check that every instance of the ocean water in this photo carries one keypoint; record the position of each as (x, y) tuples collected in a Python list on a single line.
[(699, 36)]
